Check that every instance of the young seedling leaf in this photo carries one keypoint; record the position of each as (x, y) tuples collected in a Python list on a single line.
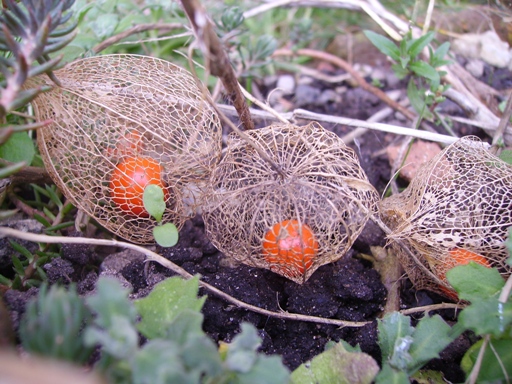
[(425, 70), (431, 336), (474, 282), (166, 235), (395, 333), (417, 99), (383, 44), (154, 202), (437, 58), (418, 44), (337, 365), (167, 299)]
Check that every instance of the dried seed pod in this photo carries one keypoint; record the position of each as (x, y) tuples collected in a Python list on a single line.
[(116, 107), (460, 200), (295, 215)]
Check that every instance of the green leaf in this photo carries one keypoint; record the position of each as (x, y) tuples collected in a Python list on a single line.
[(242, 353), (18, 147), (383, 44), (431, 336), (154, 201), (393, 328), (425, 70), (159, 362), (167, 299), (119, 340), (265, 47), (428, 377), (113, 327), (437, 58), (474, 281), (417, 45), (18, 266), (417, 99), (198, 351), (506, 156), (110, 300), (104, 25), (166, 235), (496, 361), (487, 316), (388, 375), (266, 370), (337, 365), (400, 72), (52, 325)]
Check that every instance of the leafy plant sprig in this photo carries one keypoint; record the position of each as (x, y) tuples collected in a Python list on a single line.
[(424, 89)]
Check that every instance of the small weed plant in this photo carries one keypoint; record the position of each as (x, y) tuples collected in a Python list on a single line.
[(62, 325), (424, 89)]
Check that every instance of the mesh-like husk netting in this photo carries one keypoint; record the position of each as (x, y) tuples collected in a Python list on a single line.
[(104, 103), (461, 199), (323, 190)]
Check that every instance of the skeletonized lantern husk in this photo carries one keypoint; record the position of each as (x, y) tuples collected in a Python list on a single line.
[(126, 106), (315, 184), (460, 200)]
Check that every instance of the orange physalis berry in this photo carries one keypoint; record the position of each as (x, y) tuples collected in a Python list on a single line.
[(128, 181), (290, 248), (458, 256)]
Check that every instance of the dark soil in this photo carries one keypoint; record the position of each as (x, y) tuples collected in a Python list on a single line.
[(349, 289)]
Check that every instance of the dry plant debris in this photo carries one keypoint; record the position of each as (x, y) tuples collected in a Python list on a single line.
[(295, 213), (460, 200), (117, 107)]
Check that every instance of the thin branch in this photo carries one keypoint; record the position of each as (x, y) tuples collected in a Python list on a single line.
[(217, 61), (505, 119), (473, 377), (335, 60), (152, 256), (163, 27), (433, 307)]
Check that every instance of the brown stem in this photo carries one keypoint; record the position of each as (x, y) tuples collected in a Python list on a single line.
[(27, 175), (217, 61), (347, 67), (165, 27)]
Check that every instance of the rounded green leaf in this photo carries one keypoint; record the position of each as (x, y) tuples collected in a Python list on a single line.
[(153, 199), (166, 235), (19, 147)]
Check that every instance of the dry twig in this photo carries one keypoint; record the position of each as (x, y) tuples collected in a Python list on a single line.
[(217, 61), (347, 67)]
